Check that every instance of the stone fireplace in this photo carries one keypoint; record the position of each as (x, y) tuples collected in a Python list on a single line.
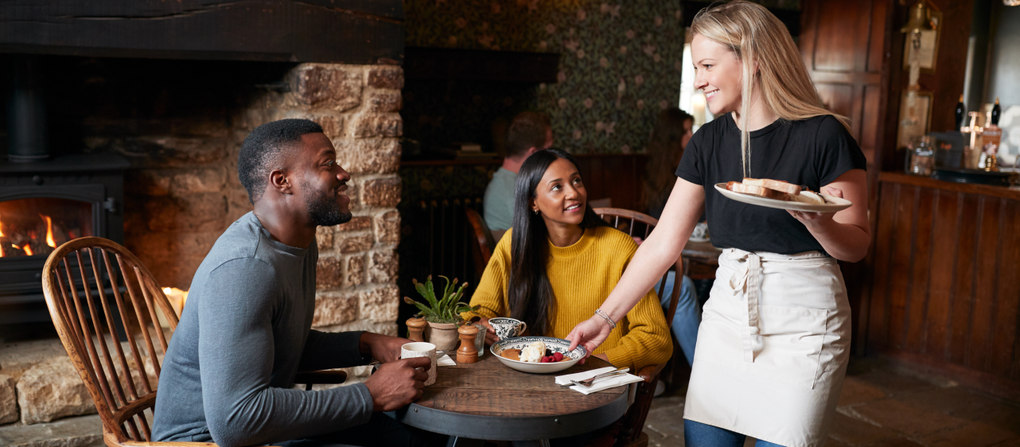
[(179, 121)]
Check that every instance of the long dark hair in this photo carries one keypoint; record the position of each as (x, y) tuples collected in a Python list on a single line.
[(529, 292)]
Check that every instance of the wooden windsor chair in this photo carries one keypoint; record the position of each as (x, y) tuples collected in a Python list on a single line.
[(106, 307), (481, 241), (632, 424)]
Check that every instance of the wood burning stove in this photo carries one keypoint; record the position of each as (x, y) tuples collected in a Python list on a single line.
[(83, 195), (44, 204), (45, 201)]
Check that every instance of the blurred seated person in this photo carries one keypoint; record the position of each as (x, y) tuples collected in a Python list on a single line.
[(558, 263), (528, 133), (670, 135)]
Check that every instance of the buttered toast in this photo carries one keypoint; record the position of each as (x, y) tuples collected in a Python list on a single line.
[(775, 189)]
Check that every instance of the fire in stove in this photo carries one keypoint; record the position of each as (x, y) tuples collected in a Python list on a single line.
[(35, 227)]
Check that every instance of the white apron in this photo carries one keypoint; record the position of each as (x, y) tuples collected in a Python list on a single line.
[(772, 347)]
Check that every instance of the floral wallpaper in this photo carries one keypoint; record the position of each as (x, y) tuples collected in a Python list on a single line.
[(620, 65)]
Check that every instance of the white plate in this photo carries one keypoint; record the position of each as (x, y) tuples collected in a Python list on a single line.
[(835, 204), (551, 343)]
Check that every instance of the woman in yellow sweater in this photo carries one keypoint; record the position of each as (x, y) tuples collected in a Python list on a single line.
[(558, 263)]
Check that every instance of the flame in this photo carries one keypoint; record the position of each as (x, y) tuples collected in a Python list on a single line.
[(49, 231), (28, 250), (177, 298), (1, 231)]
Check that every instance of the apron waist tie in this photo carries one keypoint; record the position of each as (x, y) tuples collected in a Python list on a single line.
[(749, 278)]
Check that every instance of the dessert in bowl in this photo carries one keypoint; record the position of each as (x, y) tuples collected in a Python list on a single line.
[(523, 354)]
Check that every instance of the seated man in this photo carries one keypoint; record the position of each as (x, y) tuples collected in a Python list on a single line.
[(529, 132), (246, 330)]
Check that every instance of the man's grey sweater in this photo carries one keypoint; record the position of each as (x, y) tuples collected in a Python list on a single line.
[(244, 334)]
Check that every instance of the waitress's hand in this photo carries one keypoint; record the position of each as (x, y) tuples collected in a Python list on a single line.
[(812, 218), (590, 333), (490, 333)]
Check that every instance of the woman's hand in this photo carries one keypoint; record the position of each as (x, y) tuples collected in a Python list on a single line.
[(811, 218), (490, 333), (590, 333), (846, 234)]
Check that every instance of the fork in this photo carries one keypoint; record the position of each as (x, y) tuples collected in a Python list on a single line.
[(589, 381)]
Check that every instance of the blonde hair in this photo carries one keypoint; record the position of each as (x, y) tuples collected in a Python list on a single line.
[(757, 37)]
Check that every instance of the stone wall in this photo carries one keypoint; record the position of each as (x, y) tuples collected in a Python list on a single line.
[(182, 192)]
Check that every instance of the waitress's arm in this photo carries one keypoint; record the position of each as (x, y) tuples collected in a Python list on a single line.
[(652, 259), (844, 235)]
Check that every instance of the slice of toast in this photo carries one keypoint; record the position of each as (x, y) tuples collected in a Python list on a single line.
[(756, 190), (777, 185)]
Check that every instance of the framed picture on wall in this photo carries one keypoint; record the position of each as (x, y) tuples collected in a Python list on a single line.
[(928, 45), (920, 123)]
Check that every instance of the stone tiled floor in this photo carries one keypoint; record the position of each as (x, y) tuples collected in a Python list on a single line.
[(882, 404)]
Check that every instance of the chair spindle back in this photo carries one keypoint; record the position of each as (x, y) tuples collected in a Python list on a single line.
[(106, 308)]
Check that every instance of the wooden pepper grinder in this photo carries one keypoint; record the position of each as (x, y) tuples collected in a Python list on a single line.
[(416, 329), (467, 353)]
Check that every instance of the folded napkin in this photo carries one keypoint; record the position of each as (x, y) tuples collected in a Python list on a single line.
[(445, 360), (600, 384)]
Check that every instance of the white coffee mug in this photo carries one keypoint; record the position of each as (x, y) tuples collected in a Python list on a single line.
[(421, 349)]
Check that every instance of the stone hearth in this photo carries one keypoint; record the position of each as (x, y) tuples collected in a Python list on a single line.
[(182, 192)]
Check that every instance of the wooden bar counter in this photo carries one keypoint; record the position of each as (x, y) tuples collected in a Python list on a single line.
[(946, 284)]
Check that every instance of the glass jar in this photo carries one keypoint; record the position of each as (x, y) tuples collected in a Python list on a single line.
[(921, 156)]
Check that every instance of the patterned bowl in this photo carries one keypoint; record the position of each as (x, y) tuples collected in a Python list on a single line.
[(552, 344)]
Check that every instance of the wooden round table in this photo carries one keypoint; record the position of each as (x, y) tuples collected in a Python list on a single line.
[(488, 400)]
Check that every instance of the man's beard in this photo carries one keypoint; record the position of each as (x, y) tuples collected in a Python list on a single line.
[(325, 211)]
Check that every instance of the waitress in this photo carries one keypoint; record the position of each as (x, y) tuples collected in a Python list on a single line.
[(775, 333)]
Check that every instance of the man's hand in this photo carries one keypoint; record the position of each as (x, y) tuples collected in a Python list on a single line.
[(396, 384), (591, 333), (381, 347)]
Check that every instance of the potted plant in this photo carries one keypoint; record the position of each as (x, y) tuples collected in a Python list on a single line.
[(443, 313)]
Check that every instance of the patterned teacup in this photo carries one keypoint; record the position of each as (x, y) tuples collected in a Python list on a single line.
[(506, 327)]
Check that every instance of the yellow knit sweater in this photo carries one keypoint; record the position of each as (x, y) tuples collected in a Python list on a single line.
[(581, 276)]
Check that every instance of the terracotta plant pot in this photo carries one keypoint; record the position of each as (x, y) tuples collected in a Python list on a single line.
[(443, 335)]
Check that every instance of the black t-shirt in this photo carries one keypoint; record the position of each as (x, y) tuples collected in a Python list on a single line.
[(812, 152)]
